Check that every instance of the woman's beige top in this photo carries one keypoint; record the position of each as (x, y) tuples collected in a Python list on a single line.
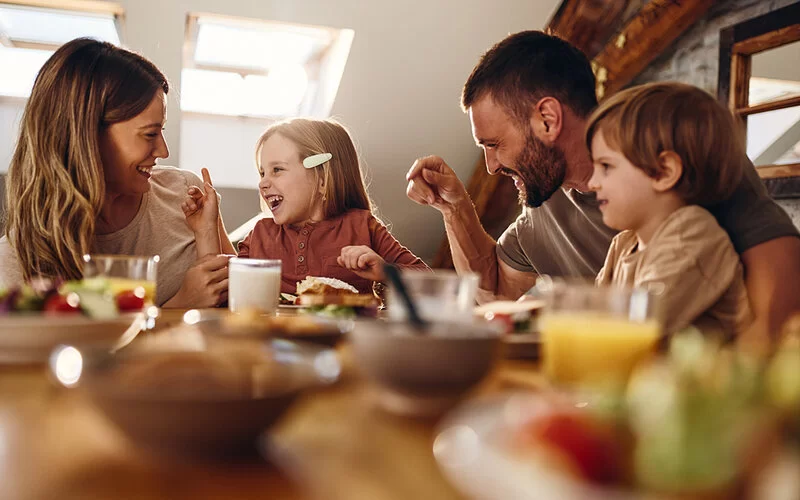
[(159, 228), (696, 262)]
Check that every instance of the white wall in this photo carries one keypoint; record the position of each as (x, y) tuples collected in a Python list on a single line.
[(399, 94), (10, 114)]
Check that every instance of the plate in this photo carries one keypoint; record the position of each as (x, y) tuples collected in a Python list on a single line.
[(291, 307), (307, 328), (474, 449), (29, 338)]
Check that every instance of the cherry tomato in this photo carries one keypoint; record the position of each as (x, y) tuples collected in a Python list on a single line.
[(129, 301), (61, 304)]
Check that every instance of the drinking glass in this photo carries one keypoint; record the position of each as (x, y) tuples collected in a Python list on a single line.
[(438, 296), (596, 335), (254, 284), (125, 273)]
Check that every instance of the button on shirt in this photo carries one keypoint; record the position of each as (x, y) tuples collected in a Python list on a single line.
[(313, 250)]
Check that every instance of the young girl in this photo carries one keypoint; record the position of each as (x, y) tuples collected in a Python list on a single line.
[(659, 152), (322, 222)]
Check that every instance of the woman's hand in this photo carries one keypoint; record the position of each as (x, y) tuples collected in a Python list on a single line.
[(204, 285), (363, 261), (201, 207)]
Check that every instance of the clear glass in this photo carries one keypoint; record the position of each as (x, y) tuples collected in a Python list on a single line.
[(125, 273), (596, 335), (254, 284), (438, 296)]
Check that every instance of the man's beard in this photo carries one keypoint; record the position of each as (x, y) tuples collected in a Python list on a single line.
[(542, 169)]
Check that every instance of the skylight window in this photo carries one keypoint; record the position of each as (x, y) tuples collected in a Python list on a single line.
[(245, 67), (30, 35)]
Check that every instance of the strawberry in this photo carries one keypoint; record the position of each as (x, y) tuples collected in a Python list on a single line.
[(61, 304), (592, 447), (129, 301)]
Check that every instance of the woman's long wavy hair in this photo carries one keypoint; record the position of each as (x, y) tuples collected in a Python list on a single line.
[(55, 185)]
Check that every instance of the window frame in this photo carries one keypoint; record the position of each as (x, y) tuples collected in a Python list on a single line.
[(81, 6), (192, 27), (738, 44)]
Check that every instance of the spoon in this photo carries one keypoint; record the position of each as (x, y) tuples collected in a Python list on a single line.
[(394, 277)]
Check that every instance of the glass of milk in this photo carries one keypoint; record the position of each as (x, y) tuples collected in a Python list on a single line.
[(254, 284), (439, 296)]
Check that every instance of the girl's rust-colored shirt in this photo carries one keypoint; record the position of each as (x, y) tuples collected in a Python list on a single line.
[(312, 250)]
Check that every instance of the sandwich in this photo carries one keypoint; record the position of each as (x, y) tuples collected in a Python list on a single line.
[(334, 297)]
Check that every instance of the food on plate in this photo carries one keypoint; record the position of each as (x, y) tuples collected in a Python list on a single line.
[(701, 421), (316, 285), (99, 298), (511, 316), (333, 297), (592, 448), (287, 299)]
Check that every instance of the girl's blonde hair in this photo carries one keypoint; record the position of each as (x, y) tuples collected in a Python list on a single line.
[(342, 176), (55, 184)]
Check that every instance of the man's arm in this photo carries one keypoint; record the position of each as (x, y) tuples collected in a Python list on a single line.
[(772, 276), (474, 250), (432, 182)]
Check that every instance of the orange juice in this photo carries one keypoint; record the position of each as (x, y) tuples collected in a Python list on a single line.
[(592, 347), (119, 285)]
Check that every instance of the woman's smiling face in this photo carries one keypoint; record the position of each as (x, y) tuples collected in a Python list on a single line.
[(129, 149), (291, 191)]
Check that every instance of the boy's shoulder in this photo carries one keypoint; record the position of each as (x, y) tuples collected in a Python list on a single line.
[(690, 223), (692, 234)]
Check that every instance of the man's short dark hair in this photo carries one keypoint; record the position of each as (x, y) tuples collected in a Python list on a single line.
[(527, 66)]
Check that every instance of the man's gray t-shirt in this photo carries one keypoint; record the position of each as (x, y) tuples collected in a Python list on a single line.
[(566, 235)]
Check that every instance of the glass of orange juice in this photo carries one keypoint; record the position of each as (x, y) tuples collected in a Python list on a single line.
[(596, 335), (131, 278)]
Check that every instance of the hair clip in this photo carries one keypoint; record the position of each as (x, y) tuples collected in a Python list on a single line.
[(317, 160)]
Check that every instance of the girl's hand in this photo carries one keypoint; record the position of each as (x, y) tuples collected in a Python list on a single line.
[(201, 207), (363, 261)]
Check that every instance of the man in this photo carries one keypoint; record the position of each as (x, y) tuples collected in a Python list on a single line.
[(528, 100)]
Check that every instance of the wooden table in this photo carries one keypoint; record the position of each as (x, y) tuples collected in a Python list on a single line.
[(54, 444)]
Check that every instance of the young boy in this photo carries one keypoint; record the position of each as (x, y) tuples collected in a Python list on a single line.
[(660, 151)]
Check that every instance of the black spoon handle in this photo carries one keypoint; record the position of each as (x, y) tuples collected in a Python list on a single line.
[(394, 277)]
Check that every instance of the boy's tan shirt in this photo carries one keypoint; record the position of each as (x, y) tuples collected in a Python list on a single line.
[(695, 260)]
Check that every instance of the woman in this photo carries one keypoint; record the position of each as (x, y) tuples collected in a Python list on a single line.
[(83, 177)]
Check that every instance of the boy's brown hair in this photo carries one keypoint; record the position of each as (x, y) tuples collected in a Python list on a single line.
[(644, 121)]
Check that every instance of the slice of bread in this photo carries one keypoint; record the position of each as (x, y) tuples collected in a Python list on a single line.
[(316, 285)]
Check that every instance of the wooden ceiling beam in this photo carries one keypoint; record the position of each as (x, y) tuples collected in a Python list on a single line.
[(587, 24), (657, 25)]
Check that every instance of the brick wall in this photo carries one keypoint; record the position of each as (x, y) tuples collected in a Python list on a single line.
[(694, 57)]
